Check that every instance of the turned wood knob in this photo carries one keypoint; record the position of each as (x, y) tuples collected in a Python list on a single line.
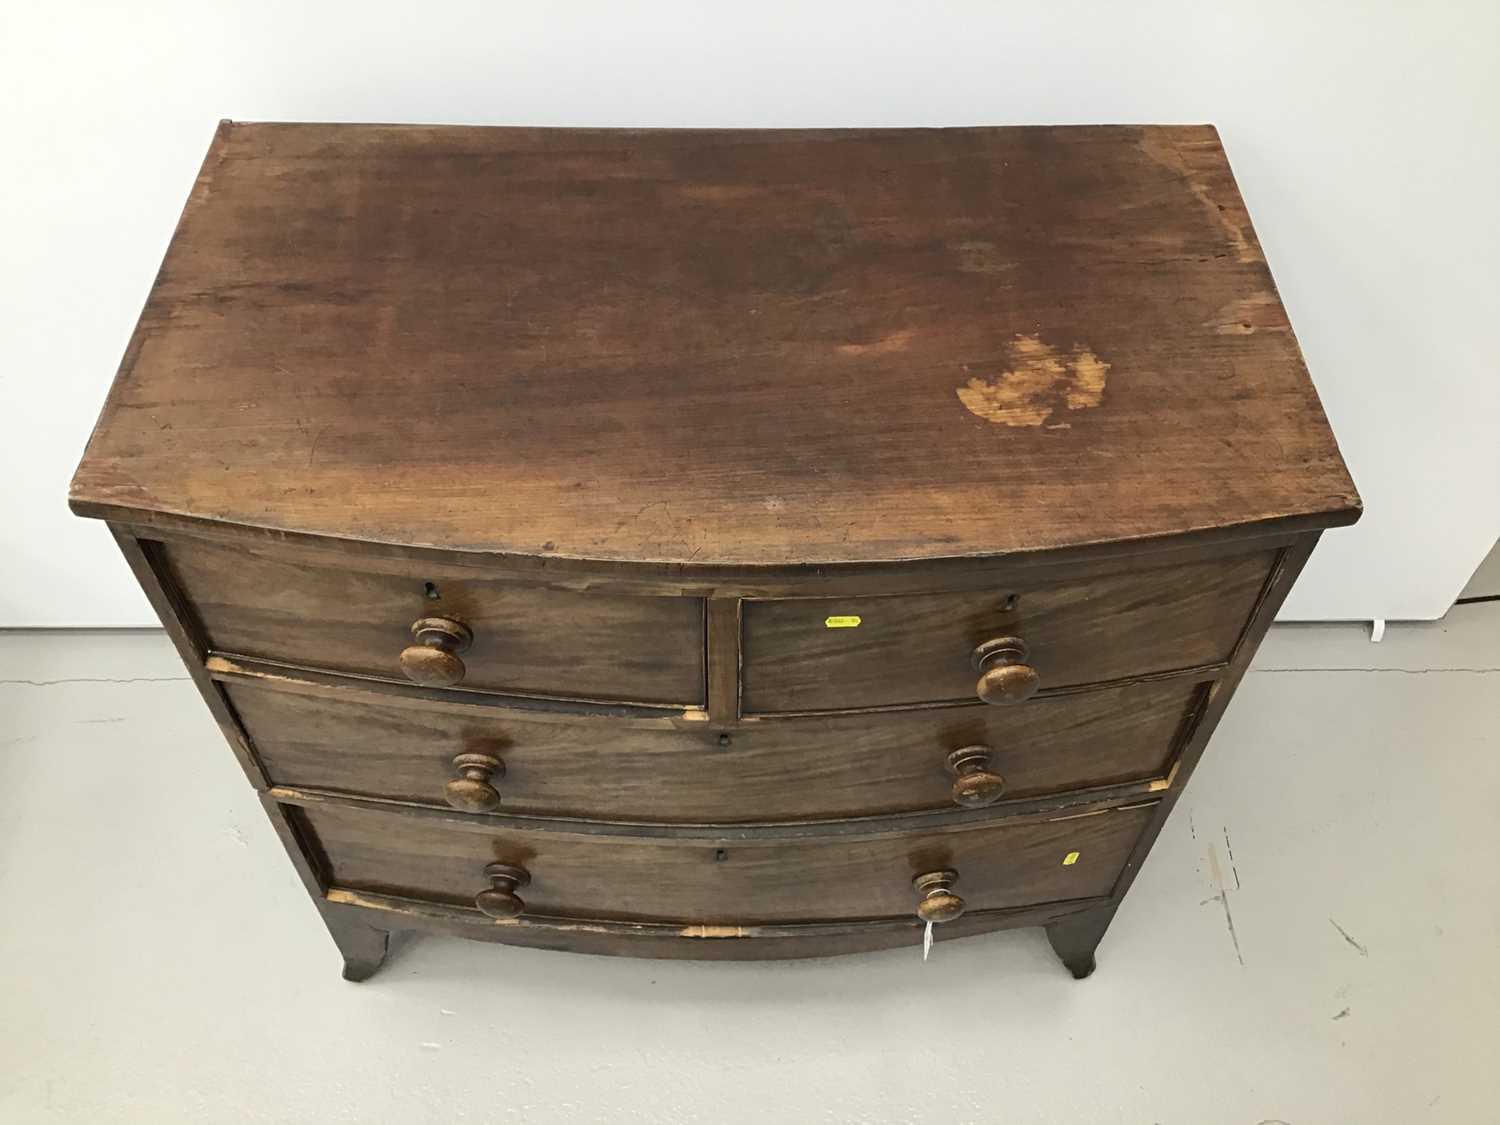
[(501, 900), (975, 785), (1004, 675), (936, 901), (434, 660), (472, 790)]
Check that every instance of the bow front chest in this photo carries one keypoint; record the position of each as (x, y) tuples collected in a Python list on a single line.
[(723, 544)]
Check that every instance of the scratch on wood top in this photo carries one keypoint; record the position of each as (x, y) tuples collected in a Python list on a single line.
[(982, 257), (1167, 152), (895, 342), (1245, 317)]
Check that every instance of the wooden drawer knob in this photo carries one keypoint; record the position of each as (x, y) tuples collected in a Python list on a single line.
[(936, 901), (975, 785), (473, 790), (434, 660), (1004, 675), (501, 900)]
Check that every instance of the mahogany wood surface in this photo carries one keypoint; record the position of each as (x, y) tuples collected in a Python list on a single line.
[(794, 769), (714, 347), (526, 640), (918, 649), (1002, 864), (667, 940), (1076, 942), (603, 540)]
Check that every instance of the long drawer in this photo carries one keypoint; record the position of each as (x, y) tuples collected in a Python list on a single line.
[(828, 654), (521, 639), (774, 770), (1000, 864)]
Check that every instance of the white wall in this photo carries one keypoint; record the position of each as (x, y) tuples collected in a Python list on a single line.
[(1363, 136)]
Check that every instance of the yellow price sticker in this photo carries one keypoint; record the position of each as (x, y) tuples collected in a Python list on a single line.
[(1070, 859), (850, 621)]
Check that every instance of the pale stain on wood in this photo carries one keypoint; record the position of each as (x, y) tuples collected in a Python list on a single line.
[(1041, 380)]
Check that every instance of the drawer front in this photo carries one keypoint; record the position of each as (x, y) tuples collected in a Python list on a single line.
[(1000, 865), (526, 640), (781, 770), (809, 655)]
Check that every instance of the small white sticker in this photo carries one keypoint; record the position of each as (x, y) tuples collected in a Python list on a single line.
[(927, 941)]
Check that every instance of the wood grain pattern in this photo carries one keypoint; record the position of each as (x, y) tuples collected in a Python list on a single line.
[(625, 417), (917, 649), (795, 769), (711, 348), (722, 620), (1001, 865), (918, 576), (526, 639), (1076, 940), (675, 942), (181, 629)]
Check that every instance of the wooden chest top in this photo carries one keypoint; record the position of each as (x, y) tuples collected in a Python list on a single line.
[(716, 348)]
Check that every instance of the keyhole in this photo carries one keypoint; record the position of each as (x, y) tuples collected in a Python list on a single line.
[(720, 855), (1009, 604), (723, 741), (431, 590)]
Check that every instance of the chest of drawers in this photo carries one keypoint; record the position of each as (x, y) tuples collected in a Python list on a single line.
[(708, 543)]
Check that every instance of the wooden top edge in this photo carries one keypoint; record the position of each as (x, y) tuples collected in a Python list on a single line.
[(168, 522), (765, 130), (355, 373)]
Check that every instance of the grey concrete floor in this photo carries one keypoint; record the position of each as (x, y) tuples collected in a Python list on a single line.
[(159, 961)]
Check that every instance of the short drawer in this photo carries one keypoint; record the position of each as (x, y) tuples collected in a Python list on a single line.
[(522, 639), (999, 865), (831, 654), (487, 760)]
